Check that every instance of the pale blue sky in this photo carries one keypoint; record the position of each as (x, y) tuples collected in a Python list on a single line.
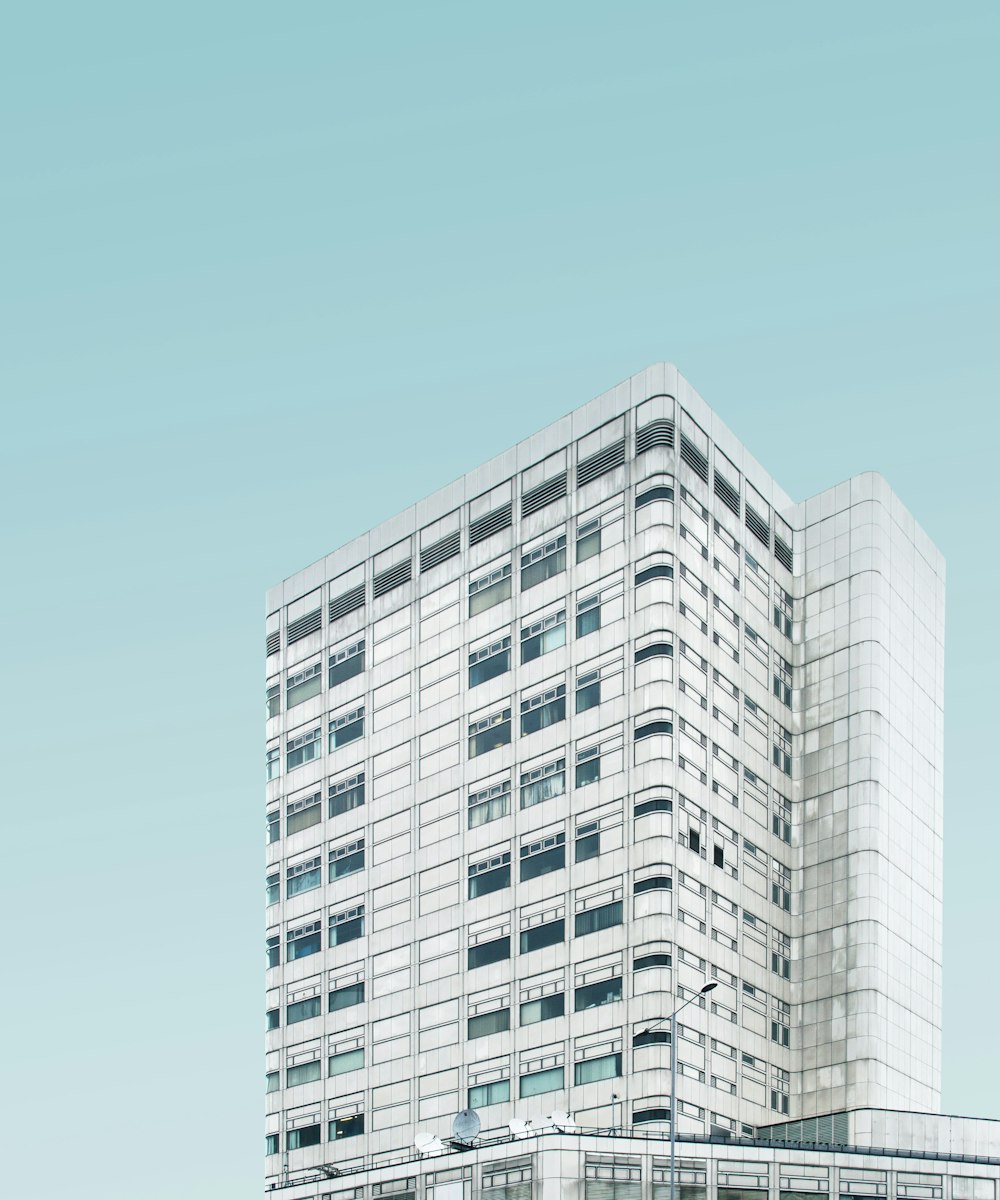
[(271, 272)]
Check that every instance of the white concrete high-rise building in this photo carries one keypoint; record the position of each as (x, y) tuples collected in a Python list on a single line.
[(606, 719)]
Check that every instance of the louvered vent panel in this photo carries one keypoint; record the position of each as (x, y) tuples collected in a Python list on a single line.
[(274, 642), (305, 625), (440, 551), (782, 552), (512, 1191), (492, 522), (656, 433), (347, 602), (694, 458), (391, 578), (545, 493), (729, 496), (758, 526), (606, 1189), (600, 463)]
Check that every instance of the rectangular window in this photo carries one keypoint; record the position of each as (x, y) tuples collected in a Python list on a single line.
[(347, 794), (489, 804), (483, 1025), (272, 949), (347, 926), (489, 662), (273, 826), (349, 1060), (273, 700), (345, 860), (542, 636), (544, 710), (346, 997), (490, 875), (488, 590), (594, 995), (588, 841), (303, 877), (303, 1073), (484, 1094), (540, 936), (541, 857), (593, 920), (303, 813), (588, 539), (273, 889), (544, 1009), (588, 691), (541, 1081), (608, 1066), (271, 1144), (347, 728), (303, 685), (302, 749), (489, 733), (588, 616), (302, 1010), (347, 1127), (272, 1018), (273, 763), (272, 1081), (305, 1135), (543, 783), (544, 562), (484, 953), (588, 766), (305, 940), (347, 663)]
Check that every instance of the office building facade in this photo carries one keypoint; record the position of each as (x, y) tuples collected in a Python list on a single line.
[(606, 719)]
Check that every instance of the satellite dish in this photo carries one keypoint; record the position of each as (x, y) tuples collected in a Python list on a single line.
[(563, 1121), (517, 1128), (427, 1143), (543, 1124), (466, 1125)]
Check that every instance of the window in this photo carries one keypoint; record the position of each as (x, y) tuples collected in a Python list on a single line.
[(490, 875), (653, 729), (588, 691), (782, 749), (652, 494), (588, 766), (593, 920), (653, 883), (782, 680), (484, 1024), (654, 650), (651, 1037), (273, 763), (304, 940), (489, 804), (347, 859), (489, 733), (346, 996), (588, 539), (781, 818), (489, 662), (273, 700), (641, 1116), (484, 1094), (608, 1066), (347, 1127), (541, 1081), (347, 1060), (271, 1144), (347, 794), (484, 953), (544, 1009), (544, 562), (303, 685), (302, 1010), (347, 663), (303, 813), (656, 571), (305, 1135), (657, 804), (540, 936), (272, 889), (347, 728), (543, 783), (546, 709), (302, 749), (779, 1102), (779, 1033), (303, 1073), (644, 962), (593, 995), (272, 1081), (347, 926), (541, 857), (272, 1018), (272, 948), (588, 841), (273, 826), (303, 877), (542, 636), (588, 616), (489, 589)]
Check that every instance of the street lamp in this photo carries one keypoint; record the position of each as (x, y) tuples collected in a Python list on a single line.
[(673, 1076)]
